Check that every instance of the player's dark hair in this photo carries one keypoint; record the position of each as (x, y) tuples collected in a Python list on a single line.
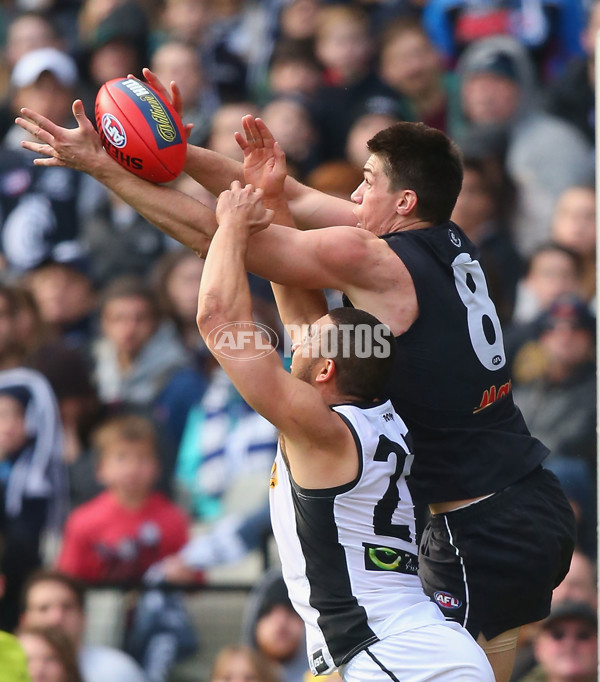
[(51, 575), (362, 375), (424, 160)]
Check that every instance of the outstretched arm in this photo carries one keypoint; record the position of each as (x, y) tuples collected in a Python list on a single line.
[(315, 435)]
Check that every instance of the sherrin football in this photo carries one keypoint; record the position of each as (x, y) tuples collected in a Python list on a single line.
[(140, 129)]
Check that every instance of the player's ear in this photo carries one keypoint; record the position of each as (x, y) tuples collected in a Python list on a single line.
[(407, 202), (326, 371)]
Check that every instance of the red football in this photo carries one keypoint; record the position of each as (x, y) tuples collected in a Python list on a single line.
[(140, 129)]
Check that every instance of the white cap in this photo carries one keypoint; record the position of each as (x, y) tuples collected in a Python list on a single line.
[(33, 64)]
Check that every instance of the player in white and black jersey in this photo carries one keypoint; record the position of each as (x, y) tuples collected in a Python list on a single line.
[(341, 511)]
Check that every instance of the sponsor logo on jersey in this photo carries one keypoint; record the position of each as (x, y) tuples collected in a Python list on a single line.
[(382, 558), (491, 394), (317, 663), (159, 119), (454, 238), (273, 479), (447, 600), (114, 131)]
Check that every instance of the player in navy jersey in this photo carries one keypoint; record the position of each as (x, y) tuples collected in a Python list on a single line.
[(501, 532), (341, 511)]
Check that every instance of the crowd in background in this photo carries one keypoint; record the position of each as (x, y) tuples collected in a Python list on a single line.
[(118, 431)]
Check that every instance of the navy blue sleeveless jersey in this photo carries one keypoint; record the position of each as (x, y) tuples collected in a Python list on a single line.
[(450, 383)]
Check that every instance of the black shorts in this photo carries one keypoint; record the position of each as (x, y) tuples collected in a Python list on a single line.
[(492, 566)]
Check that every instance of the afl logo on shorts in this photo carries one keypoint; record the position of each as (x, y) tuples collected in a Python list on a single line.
[(447, 600), (114, 131), (454, 238)]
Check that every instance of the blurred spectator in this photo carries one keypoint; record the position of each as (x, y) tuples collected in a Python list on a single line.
[(411, 65), (574, 226), (238, 662), (70, 377), (479, 211), (119, 241), (27, 31), (226, 121), (345, 48), (54, 599), (566, 646), (65, 295), (33, 484), (552, 270), (17, 336), (41, 206), (180, 62), (294, 70), (226, 449), (298, 19), (271, 626), (558, 400), (119, 534), (549, 31), (50, 655), (339, 178), (176, 279), (13, 662), (376, 114), (202, 23), (571, 94), (140, 360), (289, 119), (580, 584), (543, 154)]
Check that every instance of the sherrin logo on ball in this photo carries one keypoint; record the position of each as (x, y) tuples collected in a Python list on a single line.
[(140, 129)]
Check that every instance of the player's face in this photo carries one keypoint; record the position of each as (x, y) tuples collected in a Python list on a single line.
[(307, 354), (376, 204), (52, 604)]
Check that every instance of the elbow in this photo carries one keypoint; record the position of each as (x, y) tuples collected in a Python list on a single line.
[(209, 315)]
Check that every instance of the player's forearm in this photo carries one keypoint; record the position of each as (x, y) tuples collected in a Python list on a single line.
[(214, 171), (224, 294)]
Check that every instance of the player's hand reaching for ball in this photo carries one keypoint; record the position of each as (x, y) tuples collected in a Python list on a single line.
[(79, 148), (264, 159), (242, 208)]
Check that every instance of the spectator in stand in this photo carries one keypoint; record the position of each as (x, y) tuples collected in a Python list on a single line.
[(559, 403), (543, 154), (566, 646), (271, 626), (54, 599), (117, 536), (570, 95), (41, 207), (176, 279), (294, 70), (180, 62), (345, 48), (50, 655), (33, 484), (551, 270), (481, 212), (580, 583), (140, 360), (574, 226), (550, 32), (237, 662), (410, 64), (376, 114), (27, 31), (65, 294), (225, 122), (289, 117)]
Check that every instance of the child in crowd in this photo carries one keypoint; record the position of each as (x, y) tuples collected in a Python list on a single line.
[(117, 535)]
